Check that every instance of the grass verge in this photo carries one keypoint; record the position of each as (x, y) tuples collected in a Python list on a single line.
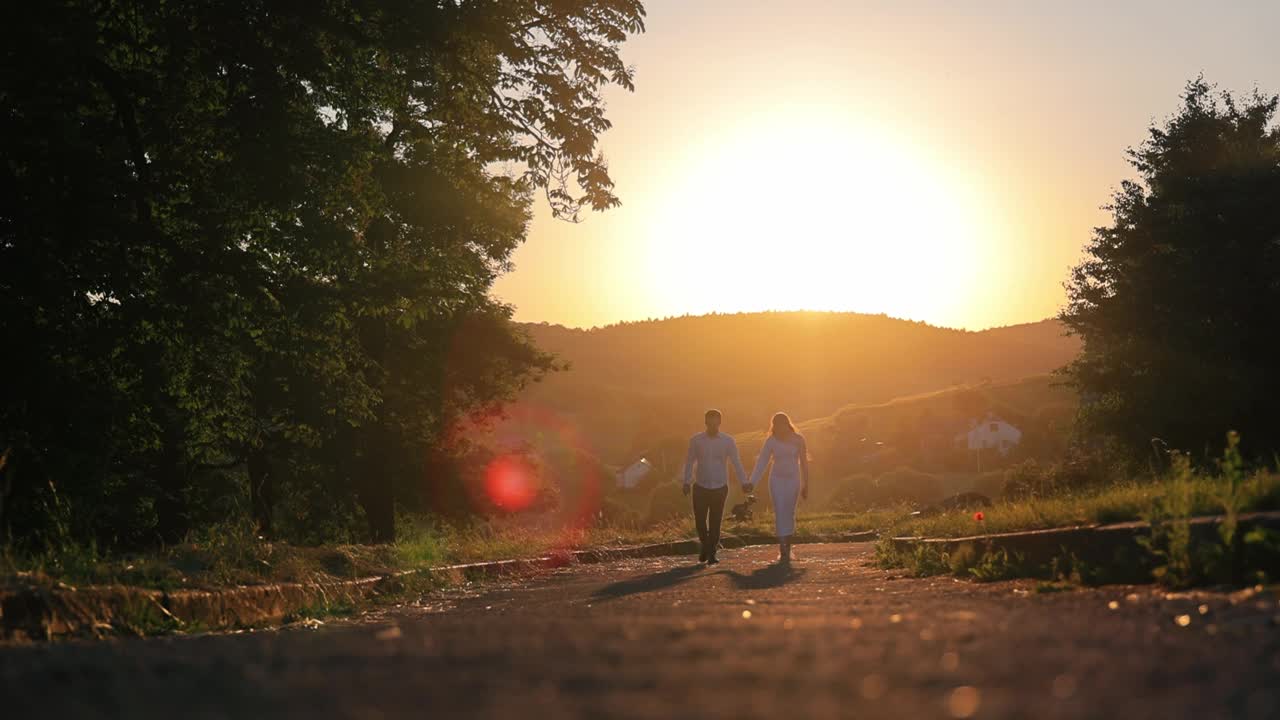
[(1173, 553), (232, 554)]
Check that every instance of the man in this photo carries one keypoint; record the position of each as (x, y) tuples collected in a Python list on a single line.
[(711, 451)]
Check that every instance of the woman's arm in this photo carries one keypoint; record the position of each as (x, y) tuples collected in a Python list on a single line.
[(804, 469), (737, 465), (762, 462)]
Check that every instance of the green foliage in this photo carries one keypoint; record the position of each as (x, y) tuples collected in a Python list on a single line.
[(1228, 555), (617, 514), (888, 556), (225, 551), (145, 617), (1170, 525), (246, 249), (1076, 469), (1024, 480), (922, 560), (1259, 559), (966, 560), (1068, 569), (906, 484), (1177, 300), (855, 492), (668, 501), (322, 611), (996, 565), (1177, 552), (925, 561)]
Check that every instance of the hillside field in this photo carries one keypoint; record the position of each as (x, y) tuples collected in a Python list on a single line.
[(635, 389)]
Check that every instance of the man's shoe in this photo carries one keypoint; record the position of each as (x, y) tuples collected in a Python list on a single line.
[(702, 556), (712, 560)]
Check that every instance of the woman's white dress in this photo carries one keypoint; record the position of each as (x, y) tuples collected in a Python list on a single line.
[(784, 481)]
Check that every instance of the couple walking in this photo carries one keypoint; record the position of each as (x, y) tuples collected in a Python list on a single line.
[(711, 451)]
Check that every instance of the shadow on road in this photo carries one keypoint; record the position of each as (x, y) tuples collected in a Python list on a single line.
[(769, 576), (649, 583)]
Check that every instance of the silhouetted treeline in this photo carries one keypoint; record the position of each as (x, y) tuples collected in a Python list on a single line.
[(246, 249)]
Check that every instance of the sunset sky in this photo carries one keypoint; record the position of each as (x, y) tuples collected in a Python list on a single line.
[(938, 161)]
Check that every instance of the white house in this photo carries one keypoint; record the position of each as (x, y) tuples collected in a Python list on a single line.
[(991, 433), (634, 473)]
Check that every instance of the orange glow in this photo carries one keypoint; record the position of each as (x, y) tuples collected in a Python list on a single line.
[(929, 160), (509, 483)]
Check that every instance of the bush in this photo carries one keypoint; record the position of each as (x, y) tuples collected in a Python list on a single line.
[(989, 483), (855, 492), (1024, 480), (667, 501), (907, 484), (1077, 470), (614, 513)]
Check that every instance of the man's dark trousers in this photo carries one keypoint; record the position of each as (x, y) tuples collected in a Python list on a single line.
[(708, 509)]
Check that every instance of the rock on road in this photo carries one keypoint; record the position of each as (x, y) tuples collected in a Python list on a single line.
[(830, 637)]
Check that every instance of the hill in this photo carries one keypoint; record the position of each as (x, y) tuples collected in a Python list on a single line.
[(635, 387), (919, 431)]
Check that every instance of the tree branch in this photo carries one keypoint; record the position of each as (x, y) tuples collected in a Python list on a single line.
[(115, 88)]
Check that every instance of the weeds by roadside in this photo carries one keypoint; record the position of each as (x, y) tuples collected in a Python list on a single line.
[(1177, 553), (1170, 517), (1226, 555)]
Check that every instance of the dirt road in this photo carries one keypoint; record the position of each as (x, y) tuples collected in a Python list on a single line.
[(829, 637)]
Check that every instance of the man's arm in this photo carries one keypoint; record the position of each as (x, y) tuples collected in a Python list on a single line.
[(689, 459)]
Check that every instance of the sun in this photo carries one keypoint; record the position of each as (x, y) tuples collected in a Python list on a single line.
[(792, 214)]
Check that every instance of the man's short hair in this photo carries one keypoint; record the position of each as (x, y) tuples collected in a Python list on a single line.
[(712, 413)]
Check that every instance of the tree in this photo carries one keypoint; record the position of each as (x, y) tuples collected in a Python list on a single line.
[(1178, 300), (245, 235)]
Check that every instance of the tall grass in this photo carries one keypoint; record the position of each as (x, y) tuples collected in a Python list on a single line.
[(1198, 494), (1168, 503), (1170, 517)]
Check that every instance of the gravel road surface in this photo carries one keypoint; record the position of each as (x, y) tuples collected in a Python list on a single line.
[(831, 636)]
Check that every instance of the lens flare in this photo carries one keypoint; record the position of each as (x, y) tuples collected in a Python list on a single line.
[(532, 429), (509, 483), (544, 465)]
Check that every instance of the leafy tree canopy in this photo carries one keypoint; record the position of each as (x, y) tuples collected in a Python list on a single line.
[(1178, 300), (262, 235)]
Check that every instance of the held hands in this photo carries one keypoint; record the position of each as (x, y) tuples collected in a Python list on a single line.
[(686, 490), (748, 488)]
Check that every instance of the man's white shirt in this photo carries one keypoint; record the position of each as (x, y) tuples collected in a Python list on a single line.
[(711, 453)]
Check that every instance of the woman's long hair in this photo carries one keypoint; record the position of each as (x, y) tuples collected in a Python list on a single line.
[(781, 426), (785, 431)]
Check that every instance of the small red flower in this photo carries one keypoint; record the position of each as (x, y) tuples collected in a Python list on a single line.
[(978, 516)]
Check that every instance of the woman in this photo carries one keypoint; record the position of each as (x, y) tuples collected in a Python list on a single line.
[(789, 480)]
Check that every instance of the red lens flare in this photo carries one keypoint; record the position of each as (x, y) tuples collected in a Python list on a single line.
[(541, 449), (510, 484)]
